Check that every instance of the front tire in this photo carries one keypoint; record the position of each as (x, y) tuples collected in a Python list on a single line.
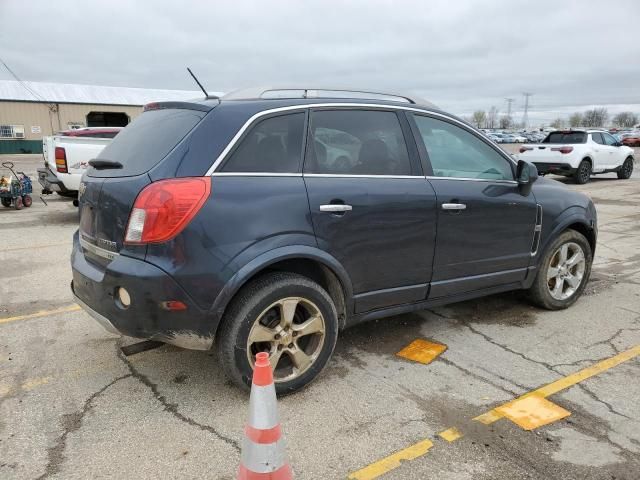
[(626, 170), (564, 272), (583, 174), (287, 315)]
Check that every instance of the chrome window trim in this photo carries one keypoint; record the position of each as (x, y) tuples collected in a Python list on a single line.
[(289, 108), (254, 174), (469, 179), (346, 175)]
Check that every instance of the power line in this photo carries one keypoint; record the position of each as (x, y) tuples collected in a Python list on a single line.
[(24, 84)]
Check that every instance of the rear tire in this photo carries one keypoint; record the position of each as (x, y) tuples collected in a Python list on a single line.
[(551, 271), (626, 170), (27, 200), (254, 322), (6, 201), (583, 174)]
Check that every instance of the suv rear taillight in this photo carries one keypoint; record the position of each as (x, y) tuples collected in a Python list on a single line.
[(562, 149), (61, 160), (164, 208)]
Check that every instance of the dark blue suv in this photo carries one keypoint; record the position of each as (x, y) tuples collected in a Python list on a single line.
[(269, 220)]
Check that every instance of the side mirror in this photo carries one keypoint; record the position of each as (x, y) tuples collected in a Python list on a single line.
[(617, 144), (526, 174)]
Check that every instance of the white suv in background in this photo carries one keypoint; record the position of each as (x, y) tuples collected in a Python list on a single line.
[(579, 154)]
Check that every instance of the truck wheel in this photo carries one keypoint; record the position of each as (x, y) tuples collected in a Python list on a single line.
[(564, 272), (583, 173), (17, 203), (626, 170), (6, 202), (287, 315), (27, 201)]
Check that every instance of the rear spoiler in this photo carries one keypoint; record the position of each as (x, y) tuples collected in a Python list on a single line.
[(202, 107)]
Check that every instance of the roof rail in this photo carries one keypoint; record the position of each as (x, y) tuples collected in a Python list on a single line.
[(265, 93)]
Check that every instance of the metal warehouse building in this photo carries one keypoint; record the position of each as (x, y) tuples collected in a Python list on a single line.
[(32, 110)]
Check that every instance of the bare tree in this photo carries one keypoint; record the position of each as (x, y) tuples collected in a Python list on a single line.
[(479, 118), (505, 122), (575, 120), (595, 118), (625, 119), (492, 117), (558, 123)]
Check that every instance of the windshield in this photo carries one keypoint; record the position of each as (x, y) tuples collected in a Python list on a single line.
[(566, 137), (147, 140)]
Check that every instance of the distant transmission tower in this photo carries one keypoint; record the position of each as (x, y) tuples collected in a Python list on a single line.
[(525, 116), (509, 102)]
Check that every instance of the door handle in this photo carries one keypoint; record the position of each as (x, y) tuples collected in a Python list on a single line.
[(453, 206), (336, 208)]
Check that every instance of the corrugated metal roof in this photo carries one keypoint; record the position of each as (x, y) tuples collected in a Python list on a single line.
[(91, 94)]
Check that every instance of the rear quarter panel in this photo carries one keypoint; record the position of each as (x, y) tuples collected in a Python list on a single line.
[(244, 217)]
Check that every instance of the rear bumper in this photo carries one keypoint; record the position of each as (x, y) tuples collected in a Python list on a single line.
[(557, 168), (94, 289), (49, 181)]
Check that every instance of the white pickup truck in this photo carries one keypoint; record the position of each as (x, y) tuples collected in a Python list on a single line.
[(67, 155), (580, 154)]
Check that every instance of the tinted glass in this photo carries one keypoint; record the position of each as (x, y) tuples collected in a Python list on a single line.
[(357, 142), (597, 138), (147, 140), (608, 139), (273, 145), (566, 137), (455, 152)]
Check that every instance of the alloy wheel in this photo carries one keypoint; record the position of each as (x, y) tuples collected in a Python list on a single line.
[(566, 271), (292, 331)]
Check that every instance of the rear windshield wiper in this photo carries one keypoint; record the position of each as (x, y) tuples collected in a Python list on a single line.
[(104, 164)]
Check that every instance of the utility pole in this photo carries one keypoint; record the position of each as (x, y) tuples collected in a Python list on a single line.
[(509, 102), (525, 117)]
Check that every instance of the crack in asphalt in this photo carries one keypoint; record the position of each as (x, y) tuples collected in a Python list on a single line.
[(71, 422), (172, 408), (552, 368)]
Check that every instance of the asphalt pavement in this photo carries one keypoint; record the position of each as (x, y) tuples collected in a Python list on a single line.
[(72, 406)]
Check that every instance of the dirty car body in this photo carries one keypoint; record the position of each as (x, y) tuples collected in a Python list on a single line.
[(400, 233)]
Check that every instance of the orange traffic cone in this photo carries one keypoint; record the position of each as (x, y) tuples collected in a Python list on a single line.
[(263, 448)]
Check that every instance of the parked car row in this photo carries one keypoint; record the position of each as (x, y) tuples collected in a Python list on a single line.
[(510, 137)]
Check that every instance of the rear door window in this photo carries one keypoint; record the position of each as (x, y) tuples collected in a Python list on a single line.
[(357, 142), (597, 137), (146, 141), (273, 145)]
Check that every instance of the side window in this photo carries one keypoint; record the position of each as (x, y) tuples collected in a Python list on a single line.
[(597, 137), (357, 142), (457, 153), (273, 145), (608, 139)]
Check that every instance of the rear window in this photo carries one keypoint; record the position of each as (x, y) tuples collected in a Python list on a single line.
[(146, 141), (566, 137)]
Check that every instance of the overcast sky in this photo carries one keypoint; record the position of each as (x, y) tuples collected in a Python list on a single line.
[(461, 55)]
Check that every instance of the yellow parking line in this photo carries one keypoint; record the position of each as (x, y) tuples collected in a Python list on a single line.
[(450, 435), (565, 382), (34, 247), (419, 449), (41, 313), (392, 461)]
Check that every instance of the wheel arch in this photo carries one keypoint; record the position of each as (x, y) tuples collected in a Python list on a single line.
[(310, 262)]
